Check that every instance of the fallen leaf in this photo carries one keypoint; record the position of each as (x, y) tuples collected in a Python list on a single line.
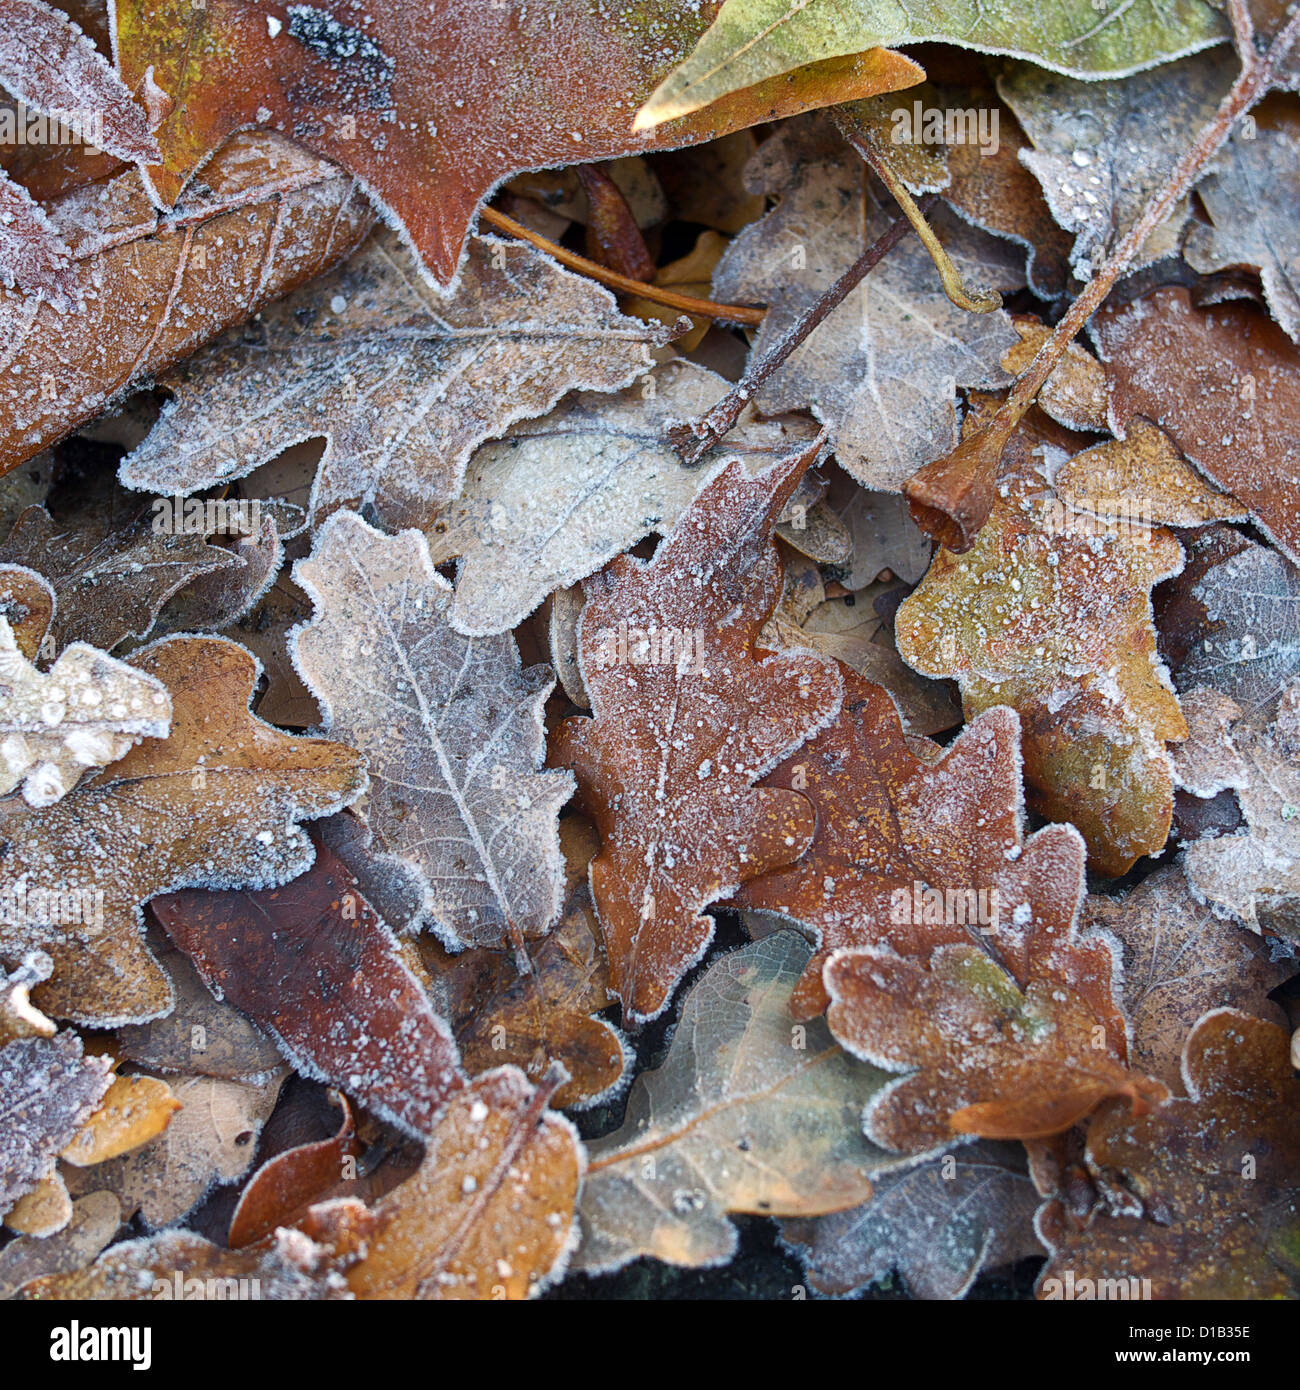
[(563, 495), (215, 803), (750, 1113), (85, 712), (1074, 395), (134, 1111), (44, 1211), (314, 965), (882, 372), (1222, 383), (19, 1017), (489, 1214), (687, 716), (48, 1089), (451, 728), (27, 605), (940, 1225), (94, 1222), (1215, 1174)]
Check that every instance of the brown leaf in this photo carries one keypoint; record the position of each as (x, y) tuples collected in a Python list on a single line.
[(1224, 383), (475, 96), (94, 1222), (214, 803), (47, 1091), (500, 1016), (314, 965), (134, 1111), (266, 217), (489, 1214), (44, 1211), (27, 605), (1215, 1174), (688, 715)]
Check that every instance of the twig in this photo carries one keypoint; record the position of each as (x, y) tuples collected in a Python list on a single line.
[(952, 497), (980, 301), (693, 440), (701, 308)]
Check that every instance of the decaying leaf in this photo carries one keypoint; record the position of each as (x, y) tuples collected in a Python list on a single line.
[(501, 1016), (1074, 394), (751, 1112), (1051, 614), (154, 286), (562, 496), (459, 105), (489, 1214), (314, 965), (85, 712), (1222, 382), (402, 382), (214, 803), (687, 716), (27, 605), (19, 1017), (882, 372), (754, 39), (1181, 961), (451, 728), (44, 1211), (94, 1222), (1215, 1175), (939, 1225), (48, 1089)]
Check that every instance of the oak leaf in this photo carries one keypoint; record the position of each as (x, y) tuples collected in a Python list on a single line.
[(687, 716), (214, 803), (450, 726), (750, 1113)]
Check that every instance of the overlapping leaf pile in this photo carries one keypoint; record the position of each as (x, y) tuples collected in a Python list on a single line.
[(498, 786)]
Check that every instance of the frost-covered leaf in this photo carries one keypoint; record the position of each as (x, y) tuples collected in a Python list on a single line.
[(210, 1141), (85, 712), (451, 728), (557, 498), (882, 372), (1181, 961), (1102, 149), (752, 40), (134, 1111), (314, 965), (111, 568), (94, 1222), (401, 382), (457, 103), (155, 286), (940, 1225), (19, 1017), (1250, 196), (1051, 615), (48, 1089), (500, 1016), (215, 602), (27, 605), (1224, 383), (1253, 875), (1214, 1174), (687, 716), (750, 1112), (214, 803), (489, 1214), (33, 257), (1074, 395)]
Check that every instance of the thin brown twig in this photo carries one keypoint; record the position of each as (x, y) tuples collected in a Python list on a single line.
[(951, 498), (687, 304), (693, 440)]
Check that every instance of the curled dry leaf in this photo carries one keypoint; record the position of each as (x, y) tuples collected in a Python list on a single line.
[(27, 605), (882, 372), (315, 965), (450, 726), (489, 1214), (1224, 383), (1181, 961), (562, 496), (19, 1017), (87, 711), (751, 1112), (687, 716), (501, 1016), (940, 1225), (267, 217), (1215, 1175), (214, 803), (476, 95), (48, 1089), (1052, 616), (403, 383)]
